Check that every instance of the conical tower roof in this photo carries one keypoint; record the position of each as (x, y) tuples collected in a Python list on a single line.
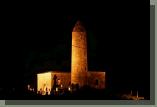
[(79, 27)]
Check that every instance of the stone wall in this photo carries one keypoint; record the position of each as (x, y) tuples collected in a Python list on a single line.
[(65, 78), (44, 81), (96, 79), (79, 55)]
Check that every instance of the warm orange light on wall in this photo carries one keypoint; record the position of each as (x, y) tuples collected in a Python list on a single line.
[(44, 81), (79, 67), (79, 55)]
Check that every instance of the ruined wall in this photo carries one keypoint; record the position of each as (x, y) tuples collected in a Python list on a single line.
[(65, 78), (79, 55), (96, 79)]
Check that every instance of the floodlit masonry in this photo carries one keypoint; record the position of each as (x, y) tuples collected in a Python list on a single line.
[(79, 67)]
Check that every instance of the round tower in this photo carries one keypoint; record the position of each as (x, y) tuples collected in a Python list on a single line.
[(79, 55)]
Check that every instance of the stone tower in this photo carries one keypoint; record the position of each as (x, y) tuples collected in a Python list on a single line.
[(79, 55)]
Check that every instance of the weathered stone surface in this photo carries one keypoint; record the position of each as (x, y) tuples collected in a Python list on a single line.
[(79, 66), (79, 55), (65, 78), (94, 76)]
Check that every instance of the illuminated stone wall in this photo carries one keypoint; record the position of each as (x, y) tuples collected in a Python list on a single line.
[(79, 55), (79, 66), (96, 76), (44, 81), (65, 78)]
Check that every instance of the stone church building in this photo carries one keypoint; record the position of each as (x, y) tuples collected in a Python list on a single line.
[(79, 67)]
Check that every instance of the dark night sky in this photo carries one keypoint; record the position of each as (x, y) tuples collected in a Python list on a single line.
[(118, 42)]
